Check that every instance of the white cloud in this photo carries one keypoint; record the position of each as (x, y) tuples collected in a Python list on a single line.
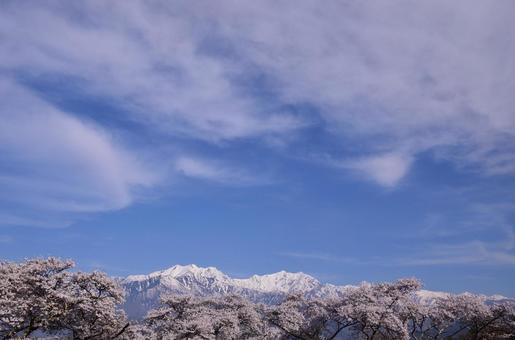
[(147, 57), (55, 162), (383, 77), (385, 169), (398, 75)]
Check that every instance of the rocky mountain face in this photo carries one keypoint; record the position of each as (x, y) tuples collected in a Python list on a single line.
[(144, 291)]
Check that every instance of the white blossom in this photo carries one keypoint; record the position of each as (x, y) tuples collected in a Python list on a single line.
[(42, 296), (229, 317)]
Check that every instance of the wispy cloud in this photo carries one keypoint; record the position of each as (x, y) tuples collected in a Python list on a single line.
[(385, 169), (30, 218), (480, 233), (148, 58), (476, 252), (216, 171), (387, 81), (60, 164), (402, 78), (460, 253), (473, 219), (410, 77), (6, 239), (322, 257)]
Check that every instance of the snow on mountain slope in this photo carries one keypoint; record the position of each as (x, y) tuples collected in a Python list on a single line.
[(183, 279), (181, 271), (144, 291), (282, 281)]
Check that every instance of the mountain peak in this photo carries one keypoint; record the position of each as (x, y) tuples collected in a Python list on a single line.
[(179, 271), (280, 282)]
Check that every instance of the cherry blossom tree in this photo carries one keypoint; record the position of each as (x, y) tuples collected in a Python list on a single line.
[(370, 311), (41, 295), (300, 318), (229, 317), (380, 311), (139, 331), (461, 316), (468, 315)]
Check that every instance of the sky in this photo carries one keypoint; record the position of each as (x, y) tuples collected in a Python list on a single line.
[(353, 141)]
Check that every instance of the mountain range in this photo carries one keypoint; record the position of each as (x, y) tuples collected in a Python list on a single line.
[(144, 291)]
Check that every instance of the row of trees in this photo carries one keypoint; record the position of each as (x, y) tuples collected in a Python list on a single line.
[(42, 298), (370, 311)]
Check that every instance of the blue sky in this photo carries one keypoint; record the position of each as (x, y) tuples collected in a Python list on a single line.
[(352, 141)]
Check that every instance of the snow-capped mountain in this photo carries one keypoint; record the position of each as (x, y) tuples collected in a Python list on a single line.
[(144, 291), (426, 297), (282, 281)]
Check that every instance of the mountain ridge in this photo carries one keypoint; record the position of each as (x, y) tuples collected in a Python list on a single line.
[(144, 291)]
